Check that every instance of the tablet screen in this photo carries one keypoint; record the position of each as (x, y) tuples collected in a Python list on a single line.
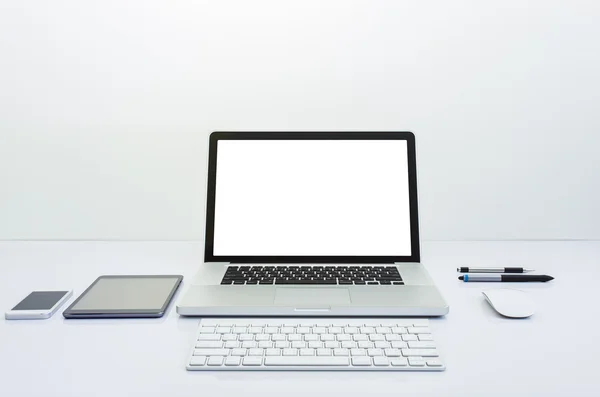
[(127, 293)]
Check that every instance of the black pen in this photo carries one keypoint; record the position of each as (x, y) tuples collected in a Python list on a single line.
[(505, 278), (492, 270)]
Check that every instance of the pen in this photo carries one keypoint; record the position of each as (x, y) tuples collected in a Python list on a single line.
[(505, 278), (492, 270)]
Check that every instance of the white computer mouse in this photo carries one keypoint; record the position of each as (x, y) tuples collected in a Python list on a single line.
[(510, 302)]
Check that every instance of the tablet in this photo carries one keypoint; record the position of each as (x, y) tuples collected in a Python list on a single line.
[(125, 297)]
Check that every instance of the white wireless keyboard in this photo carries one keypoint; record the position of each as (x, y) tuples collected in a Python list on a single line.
[(314, 344)]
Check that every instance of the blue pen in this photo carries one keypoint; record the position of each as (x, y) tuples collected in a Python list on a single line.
[(469, 278)]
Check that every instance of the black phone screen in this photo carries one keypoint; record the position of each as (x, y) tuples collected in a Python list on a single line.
[(40, 300)]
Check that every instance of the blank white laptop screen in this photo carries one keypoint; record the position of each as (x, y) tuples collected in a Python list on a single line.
[(312, 197)]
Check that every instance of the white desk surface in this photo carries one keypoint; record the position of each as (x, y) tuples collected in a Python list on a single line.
[(552, 353)]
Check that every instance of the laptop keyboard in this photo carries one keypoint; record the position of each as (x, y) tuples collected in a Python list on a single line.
[(310, 275)]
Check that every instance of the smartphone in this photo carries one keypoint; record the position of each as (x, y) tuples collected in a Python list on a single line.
[(38, 304)]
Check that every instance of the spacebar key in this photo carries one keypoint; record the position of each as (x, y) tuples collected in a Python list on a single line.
[(291, 361)]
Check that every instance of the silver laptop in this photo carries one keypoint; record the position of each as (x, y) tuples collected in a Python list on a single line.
[(312, 224)]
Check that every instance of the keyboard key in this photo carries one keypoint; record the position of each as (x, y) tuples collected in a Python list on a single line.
[(399, 330), (249, 344), (381, 362), (332, 344), (265, 344), (278, 337), (393, 352), (399, 362), (416, 362), (359, 337), (232, 344), (232, 361), (307, 352), (223, 330), (272, 352), (425, 337), (252, 361), (215, 361), (383, 330), (341, 352), (290, 352), (367, 330), (282, 344), (361, 361), (399, 345), (382, 345), (351, 330), (335, 330), (376, 337), (209, 337), (294, 337), (315, 344), (206, 330), (323, 352), (392, 337), (421, 345), (299, 344), (198, 360), (226, 337), (238, 352), (419, 352), (343, 337), (255, 352), (434, 363), (209, 344), (306, 361), (211, 352), (408, 337), (365, 344), (358, 352), (311, 337), (375, 352), (244, 337), (271, 330), (349, 344), (302, 330), (418, 330), (327, 337)]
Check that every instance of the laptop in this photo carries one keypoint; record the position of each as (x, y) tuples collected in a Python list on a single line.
[(312, 224)]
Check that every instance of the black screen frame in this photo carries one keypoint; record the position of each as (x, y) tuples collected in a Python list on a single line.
[(217, 136)]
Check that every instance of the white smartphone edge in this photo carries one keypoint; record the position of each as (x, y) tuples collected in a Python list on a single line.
[(37, 314)]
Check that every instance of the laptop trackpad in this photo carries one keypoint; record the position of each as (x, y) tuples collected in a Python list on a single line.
[(312, 297)]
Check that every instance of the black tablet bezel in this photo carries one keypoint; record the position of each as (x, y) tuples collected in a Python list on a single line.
[(280, 135), (128, 313)]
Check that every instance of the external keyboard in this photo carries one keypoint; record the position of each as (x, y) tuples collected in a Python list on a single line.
[(314, 344), (307, 275)]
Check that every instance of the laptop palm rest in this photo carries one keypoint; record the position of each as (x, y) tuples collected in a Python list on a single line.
[(312, 298)]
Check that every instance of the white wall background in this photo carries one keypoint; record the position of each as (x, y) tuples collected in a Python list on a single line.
[(106, 107)]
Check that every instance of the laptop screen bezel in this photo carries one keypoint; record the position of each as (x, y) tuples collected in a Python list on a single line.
[(216, 136)]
